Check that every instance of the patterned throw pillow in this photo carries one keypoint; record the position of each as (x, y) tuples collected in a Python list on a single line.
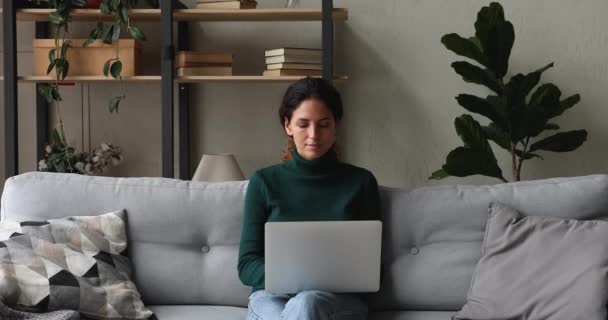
[(77, 263)]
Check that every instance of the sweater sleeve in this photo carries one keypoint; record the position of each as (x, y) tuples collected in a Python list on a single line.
[(371, 199), (251, 250)]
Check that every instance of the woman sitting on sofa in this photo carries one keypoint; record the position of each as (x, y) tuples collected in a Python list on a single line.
[(310, 184)]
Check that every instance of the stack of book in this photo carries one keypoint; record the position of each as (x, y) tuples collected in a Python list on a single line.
[(226, 4), (190, 63), (293, 62)]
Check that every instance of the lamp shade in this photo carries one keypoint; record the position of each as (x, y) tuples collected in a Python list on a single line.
[(218, 167)]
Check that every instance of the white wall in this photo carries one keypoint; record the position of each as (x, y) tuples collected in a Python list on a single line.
[(399, 99)]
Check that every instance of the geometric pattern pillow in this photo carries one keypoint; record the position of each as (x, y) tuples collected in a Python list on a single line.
[(77, 263)]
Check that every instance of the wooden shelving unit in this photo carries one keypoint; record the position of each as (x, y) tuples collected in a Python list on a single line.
[(188, 79), (194, 15), (169, 14)]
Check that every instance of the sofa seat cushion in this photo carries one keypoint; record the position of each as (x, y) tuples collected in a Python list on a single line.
[(412, 315), (191, 312)]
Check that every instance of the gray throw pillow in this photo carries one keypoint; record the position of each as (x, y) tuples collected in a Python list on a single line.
[(77, 263), (535, 267)]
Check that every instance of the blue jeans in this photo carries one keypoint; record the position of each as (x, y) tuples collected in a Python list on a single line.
[(306, 305)]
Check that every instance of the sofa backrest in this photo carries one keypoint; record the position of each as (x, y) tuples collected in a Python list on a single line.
[(184, 235)]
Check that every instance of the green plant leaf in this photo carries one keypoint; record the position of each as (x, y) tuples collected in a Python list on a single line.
[(565, 105), (463, 47), (114, 4), (543, 103), (50, 67), (116, 34), (59, 66), (104, 6), (55, 94), (474, 74), (88, 42), (471, 133), (114, 103), (106, 67), (561, 142), (64, 48), (80, 3), (123, 14), (52, 56), (498, 50), (518, 88), (108, 34), (137, 34), (56, 137), (439, 174), (488, 17), (498, 135), (116, 69), (462, 162), (482, 107), (45, 91), (527, 155), (56, 18), (66, 68)]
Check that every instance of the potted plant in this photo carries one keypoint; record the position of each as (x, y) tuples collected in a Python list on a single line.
[(517, 118)]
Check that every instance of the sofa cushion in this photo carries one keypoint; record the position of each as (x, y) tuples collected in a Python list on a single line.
[(190, 312), (432, 235), (539, 268), (75, 263), (183, 235)]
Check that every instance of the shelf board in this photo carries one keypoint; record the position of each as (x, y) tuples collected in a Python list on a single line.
[(279, 14), (189, 79), (45, 79), (194, 79)]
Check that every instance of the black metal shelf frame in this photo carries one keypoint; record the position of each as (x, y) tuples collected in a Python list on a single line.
[(11, 153)]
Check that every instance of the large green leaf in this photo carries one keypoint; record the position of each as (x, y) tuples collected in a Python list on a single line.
[(474, 74), (114, 103), (565, 105), (498, 50), (518, 88), (488, 17), (116, 69), (463, 47), (543, 103), (137, 34), (498, 135), (561, 142), (482, 107), (462, 162), (471, 133), (439, 174)]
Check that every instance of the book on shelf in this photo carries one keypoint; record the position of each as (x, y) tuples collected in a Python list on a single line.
[(300, 52), (191, 58), (292, 72), (306, 66), (293, 59), (226, 5), (204, 71)]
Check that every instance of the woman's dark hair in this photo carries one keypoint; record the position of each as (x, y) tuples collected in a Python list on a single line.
[(304, 89)]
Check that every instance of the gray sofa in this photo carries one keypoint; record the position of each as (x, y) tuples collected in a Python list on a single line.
[(184, 235)]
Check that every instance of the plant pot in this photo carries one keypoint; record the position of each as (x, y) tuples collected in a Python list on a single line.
[(89, 61)]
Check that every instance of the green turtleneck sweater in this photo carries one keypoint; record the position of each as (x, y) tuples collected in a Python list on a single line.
[(323, 189)]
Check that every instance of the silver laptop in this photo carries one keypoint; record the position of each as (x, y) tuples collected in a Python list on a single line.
[(334, 256)]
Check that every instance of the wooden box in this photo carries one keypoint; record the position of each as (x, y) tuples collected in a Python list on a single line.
[(89, 61)]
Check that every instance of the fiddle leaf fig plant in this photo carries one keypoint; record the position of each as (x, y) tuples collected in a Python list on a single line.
[(519, 111)]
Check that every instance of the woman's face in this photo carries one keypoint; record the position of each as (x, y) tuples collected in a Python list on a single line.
[(313, 128)]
